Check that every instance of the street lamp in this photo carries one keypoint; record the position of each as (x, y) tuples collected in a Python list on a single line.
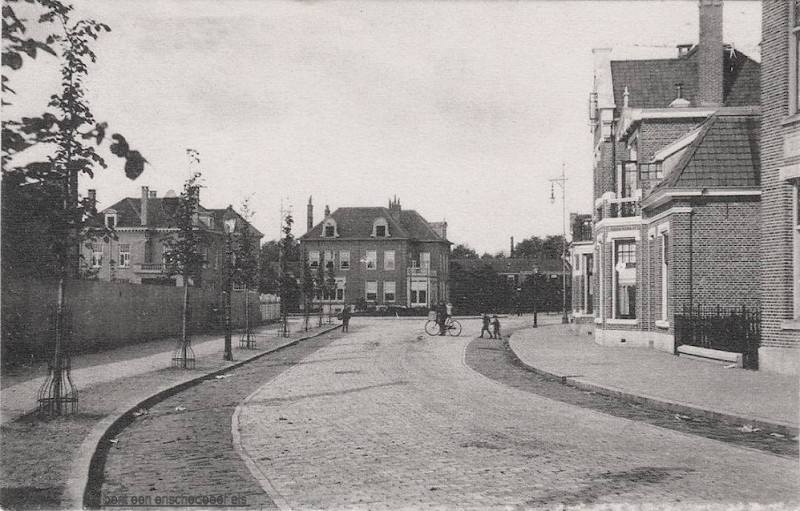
[(230, 226), (562, 182)]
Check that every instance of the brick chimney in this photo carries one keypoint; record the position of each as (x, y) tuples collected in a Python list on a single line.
[(327, 211), (511, 252), (439, 228), (92, 196), (709, 54), (394, 208), (145, 196), (309, 215)]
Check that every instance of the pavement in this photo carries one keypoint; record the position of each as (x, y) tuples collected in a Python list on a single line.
[(682, 384)]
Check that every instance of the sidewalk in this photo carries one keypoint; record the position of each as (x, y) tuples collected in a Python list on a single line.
[(677, 383)]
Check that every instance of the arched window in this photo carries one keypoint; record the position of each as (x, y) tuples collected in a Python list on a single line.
[(380, 228)]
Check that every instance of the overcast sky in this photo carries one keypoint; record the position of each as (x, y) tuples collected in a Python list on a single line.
[(462, 109)]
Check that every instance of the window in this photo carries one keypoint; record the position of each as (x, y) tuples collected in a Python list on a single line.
[(97, 256), (796, 223), (313, 259), (371, 259), (664, 275), (388, 291), (111, 220), (425, 260), (344, 259), (372, 290), (419, 292), (124, 255), (388, 260), (588, 291), (380, 228), (625, 279), (329, 259), (340, 284), (329, 229)]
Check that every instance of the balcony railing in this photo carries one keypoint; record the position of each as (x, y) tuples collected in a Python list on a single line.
[(415, 271), (619, 208), (150, 268)]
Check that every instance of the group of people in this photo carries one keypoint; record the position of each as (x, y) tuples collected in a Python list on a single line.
[(495, 323)]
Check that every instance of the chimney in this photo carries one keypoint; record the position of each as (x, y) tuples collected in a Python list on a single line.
[(153, 194), (394, 208), (709, 54), (93, 200), (439, 228), (327, 211), (145, 196), (511, 252), (309, 215), (683, 49)]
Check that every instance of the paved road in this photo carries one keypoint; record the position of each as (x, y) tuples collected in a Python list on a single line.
[(387, 417)]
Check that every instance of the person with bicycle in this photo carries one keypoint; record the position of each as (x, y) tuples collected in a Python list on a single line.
[(441, 316)]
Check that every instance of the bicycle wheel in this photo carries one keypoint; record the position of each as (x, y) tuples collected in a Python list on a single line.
[(432, 327), (454, 328)]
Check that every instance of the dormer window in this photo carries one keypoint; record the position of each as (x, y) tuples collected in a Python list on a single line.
[(329, 229), (380, 228), (111, 219)]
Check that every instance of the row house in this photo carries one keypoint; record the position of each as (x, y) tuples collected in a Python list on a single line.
[(142, 227), (676, 189), (380, 256), (780, 187), (582, 261)]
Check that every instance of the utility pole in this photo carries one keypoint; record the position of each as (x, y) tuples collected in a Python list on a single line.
[(562, 182)]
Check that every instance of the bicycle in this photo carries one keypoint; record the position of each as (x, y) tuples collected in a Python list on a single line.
[(452, 326)]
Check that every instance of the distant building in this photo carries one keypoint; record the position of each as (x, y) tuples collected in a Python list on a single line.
[(582, 262), (380, 256), (780, 183), (676, 209), (142, 226)]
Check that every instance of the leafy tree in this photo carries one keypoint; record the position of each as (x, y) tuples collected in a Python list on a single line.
[(183, 255), (330, 288), (479, 290), (463, 251), (307, 289), (286, 288), (319, 283), (246, 271), (487, 255), (536, 248)]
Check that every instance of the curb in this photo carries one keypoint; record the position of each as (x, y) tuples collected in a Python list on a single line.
[(583, 383), (82, 489)]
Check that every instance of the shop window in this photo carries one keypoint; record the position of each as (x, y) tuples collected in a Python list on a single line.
[(625, 279)]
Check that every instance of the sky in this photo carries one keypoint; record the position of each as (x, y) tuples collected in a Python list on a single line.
[(464, 110)]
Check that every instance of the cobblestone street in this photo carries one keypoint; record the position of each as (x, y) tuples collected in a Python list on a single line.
[(388, 417)]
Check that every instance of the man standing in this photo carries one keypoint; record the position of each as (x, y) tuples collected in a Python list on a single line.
[(345, 318), (486, 321), (441, 315)]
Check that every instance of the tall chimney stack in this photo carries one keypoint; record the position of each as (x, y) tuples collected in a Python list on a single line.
[(93, 200), (327, 211), (145, 196), (511, 252), (309, 215), (709, 61)]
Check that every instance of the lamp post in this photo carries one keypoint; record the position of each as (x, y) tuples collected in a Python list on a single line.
[(562, 182), (230, 226)]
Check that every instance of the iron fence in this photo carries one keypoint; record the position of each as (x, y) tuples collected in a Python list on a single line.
[(731, 330)]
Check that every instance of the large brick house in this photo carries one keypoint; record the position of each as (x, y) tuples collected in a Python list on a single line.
[(676, 172), (142, 226), (780, 182), (380, 256)]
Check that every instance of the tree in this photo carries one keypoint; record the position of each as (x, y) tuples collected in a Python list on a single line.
[(536, 248), (319, 282), (70, 135), (330, 289), (463, 251), (307, 289), (246, 271), (183, 256), (287, 242)]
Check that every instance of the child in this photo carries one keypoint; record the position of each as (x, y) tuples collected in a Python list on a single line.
[(496, 325), (486, 326)]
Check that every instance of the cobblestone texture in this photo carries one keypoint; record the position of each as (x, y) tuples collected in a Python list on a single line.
[(389, 418)]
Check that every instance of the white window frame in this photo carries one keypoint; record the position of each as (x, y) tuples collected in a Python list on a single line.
[(663, 232), (371, 259), (313, 259), (371, 287), (113, 217), (794, 59), (615, 274), (330, 263), (425, 261), (329, 223), (344, 259), (380, 222), (124, 255), (97, 256), (389, 260), (389, 286), (341, 283)]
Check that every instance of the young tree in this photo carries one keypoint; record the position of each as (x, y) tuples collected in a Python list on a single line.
[(70, 135), (287, 242), (246, 272), (183, 256), (307, 289), (330, 287), (319, 282)]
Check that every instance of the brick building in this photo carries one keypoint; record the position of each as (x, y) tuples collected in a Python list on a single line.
[(581, 253), (780, 179), (380, 256), (143, 225), (676, 193)]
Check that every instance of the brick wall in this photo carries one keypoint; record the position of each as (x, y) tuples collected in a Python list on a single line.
[(776, 229), (654, 135)]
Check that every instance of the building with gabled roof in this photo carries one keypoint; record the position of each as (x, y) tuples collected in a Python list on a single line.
[(142, 227), (677, 189), (380, 256)]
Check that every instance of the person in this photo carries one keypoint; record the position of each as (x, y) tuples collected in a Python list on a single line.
[(496, 326), (441, 316), (449, 310), (485, 328), (345, 318)]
